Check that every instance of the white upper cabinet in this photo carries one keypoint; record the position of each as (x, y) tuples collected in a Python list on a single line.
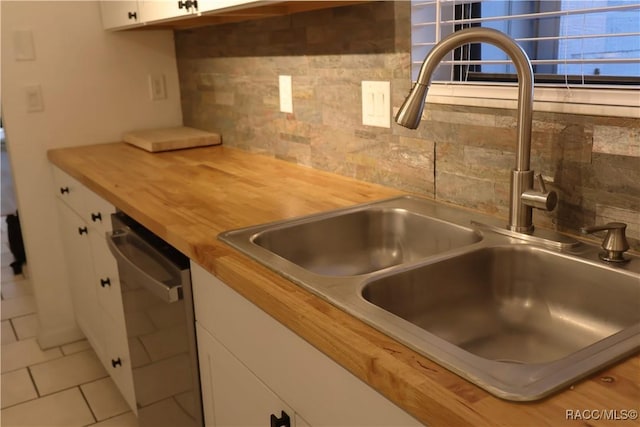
[(123, 14), (225, 5), (162, 10), (118, 14)]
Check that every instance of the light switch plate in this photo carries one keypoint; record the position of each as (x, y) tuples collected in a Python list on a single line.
[(157, 87), (376, 103), (33, 95), (286, 94), (23, 47)]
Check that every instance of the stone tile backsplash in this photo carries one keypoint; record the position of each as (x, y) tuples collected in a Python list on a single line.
[(463, 155)]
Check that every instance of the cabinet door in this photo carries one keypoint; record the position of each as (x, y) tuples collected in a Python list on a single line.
[(117, 359), (231, 394), (158, 10), (106, 280), (319, 389), (75, 239), (119, 14), (222, 5)]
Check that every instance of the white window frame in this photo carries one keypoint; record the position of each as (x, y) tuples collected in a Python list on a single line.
[(588, 101), (619, 101)]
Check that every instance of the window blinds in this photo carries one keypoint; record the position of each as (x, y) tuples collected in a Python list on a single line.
[(583, 41)]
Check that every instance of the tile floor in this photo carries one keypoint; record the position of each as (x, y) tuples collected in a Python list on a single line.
[(63, 386)]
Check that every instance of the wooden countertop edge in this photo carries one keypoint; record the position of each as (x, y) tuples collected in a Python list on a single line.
[(423, 388)]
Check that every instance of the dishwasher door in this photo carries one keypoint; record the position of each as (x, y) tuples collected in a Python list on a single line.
[(158, 310), (142, 264)]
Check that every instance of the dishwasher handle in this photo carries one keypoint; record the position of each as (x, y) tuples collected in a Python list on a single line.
[(127, 264)]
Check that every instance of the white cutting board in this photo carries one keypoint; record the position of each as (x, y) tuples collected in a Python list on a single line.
[(175, 138)]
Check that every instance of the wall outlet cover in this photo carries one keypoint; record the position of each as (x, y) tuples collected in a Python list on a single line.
[(286, 94), (33, 96), (157, 87)]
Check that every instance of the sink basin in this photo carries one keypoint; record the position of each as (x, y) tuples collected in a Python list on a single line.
[(515, 304), (518, 315), (363, 241)]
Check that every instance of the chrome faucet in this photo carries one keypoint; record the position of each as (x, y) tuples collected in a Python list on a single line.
[(523, 197)]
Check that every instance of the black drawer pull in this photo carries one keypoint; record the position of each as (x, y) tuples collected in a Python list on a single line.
[(116, 362), (283, 421), (64, 190), (133, 15), (105, 282), (82, 230), (96, 216)]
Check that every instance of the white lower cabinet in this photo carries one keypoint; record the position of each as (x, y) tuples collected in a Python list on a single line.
[(233, 395), (252, 366), (77, 248), (93, 276)]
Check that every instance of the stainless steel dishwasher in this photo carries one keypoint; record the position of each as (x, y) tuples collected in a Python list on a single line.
[(158, 309)]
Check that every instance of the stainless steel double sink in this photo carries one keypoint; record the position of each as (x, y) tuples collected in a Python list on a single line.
[(521, 318)]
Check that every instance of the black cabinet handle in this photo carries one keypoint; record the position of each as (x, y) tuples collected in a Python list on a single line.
[(188, 4), (133, 15), (64, 190), (283, 421), (82, 230), (96, 216), (116, 362), (105, 282)]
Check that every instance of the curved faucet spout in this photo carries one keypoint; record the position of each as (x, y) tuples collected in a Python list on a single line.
[(410, 113)]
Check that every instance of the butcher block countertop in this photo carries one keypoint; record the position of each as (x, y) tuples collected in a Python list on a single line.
[(189, 196)]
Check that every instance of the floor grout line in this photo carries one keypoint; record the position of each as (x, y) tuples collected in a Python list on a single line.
[(33, 381), (95, 419), (13, 330), (21, 280)]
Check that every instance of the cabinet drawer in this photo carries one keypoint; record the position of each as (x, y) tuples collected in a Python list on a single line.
[(69, 190)]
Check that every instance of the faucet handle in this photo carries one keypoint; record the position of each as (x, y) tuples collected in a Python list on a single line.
[(615, 242), (543, 199), (540, 180)]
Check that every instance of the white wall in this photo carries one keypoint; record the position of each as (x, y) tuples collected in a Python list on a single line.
[(94, 85)]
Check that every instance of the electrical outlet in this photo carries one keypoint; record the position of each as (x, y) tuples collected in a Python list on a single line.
[(157, 87), (286, 94), (376, 103)]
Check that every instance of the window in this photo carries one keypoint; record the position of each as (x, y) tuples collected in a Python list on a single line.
[(574, 46)]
